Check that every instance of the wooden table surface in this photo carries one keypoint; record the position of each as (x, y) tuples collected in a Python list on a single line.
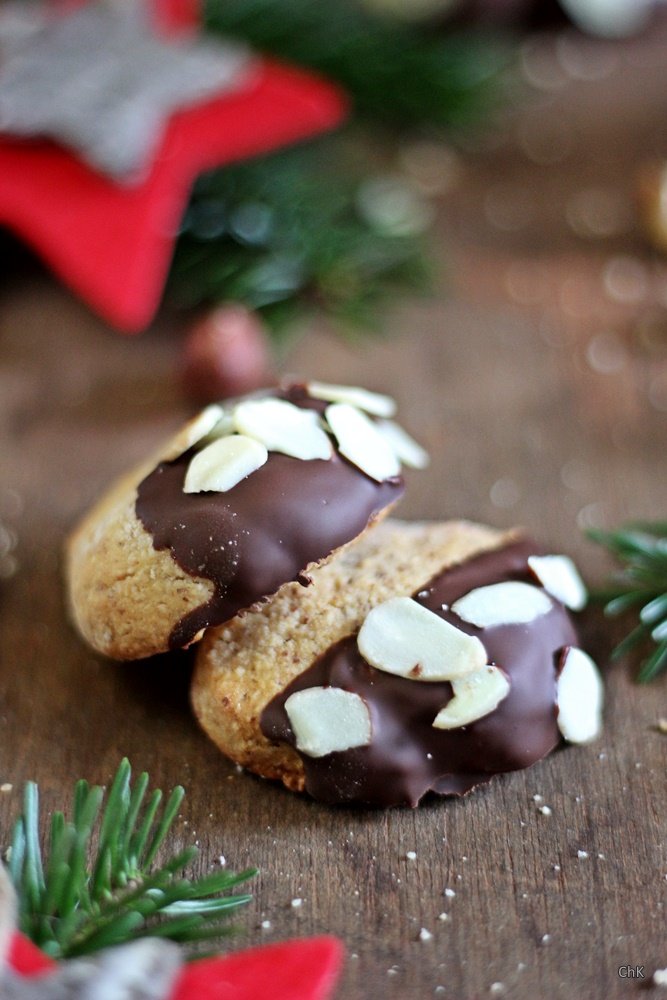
[(537, 377)]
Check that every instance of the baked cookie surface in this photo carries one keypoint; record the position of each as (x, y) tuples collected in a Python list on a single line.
[(249, 497), (287, 691), (242, 666)]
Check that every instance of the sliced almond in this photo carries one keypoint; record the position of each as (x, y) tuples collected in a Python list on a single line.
[(475, 696), (403, 637), (327, 719), (283, 427), (360, 441), (223, 464), (510, 603), (404, 447), (193, 432), (371, 402), (221, 428), (579, 696), (560, 578)]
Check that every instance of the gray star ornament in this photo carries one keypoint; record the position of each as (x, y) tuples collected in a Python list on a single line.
[(101, 82), (19, 20), (145, 969), (7, 913), (142, 970)]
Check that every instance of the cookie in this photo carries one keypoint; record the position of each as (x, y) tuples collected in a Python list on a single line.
[(248, 497), (425, 658)]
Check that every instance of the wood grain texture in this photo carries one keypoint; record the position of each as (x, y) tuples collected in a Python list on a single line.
[(536, 376)]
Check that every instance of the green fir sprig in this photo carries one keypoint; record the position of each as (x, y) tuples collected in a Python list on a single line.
[(288, 234), (398, 72), (639, 586), (295, 233), (100, 886)]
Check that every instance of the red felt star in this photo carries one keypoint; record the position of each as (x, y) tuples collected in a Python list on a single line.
[(113, 244), (294, 970)]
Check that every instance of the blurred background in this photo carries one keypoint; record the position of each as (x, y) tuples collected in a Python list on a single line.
[(410, 191), (460, 202), (526, 107)]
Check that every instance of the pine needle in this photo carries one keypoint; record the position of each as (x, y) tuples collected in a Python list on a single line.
[(98, 886), (287, 235), (305, 230), (397, 71), (641, 550)]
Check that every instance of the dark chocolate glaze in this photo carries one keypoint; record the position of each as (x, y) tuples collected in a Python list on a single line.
[(407, 756), (262, 533)]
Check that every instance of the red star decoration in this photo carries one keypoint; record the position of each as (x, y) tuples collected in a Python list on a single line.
[(293, 970), (113, 245)]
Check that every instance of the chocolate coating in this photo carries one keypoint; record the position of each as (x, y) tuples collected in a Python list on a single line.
[(263, 532), (407, 756)]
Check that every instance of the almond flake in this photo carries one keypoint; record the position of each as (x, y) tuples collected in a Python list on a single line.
[(579, 696), (193, 432), (560, 578), (475, 696), (402, 637), (221, 428), (223, 464), (360, 441), (372, 402), (404, 447), (284, 427), (509, 603), (328, 719)]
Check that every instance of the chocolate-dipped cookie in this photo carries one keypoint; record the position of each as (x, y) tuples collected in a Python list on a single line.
[(427, 658), (250, 496)]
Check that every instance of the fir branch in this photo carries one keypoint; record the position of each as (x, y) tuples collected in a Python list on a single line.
[(289, 233), (641, 587), (82, 898), (397, 72)]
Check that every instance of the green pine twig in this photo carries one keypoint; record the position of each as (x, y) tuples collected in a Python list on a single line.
[(639, 587), (82, 898), (286, 235), (397, 72)]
